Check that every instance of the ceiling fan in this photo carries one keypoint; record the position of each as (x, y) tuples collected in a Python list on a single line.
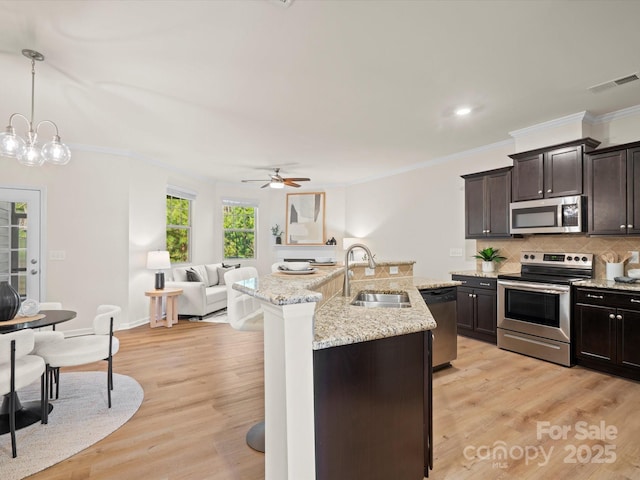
[(277, 181)]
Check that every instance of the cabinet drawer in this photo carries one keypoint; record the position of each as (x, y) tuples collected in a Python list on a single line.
[(608, 298), (476, 282)]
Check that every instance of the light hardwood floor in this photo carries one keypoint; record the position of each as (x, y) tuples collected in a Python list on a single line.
[(203, 386)]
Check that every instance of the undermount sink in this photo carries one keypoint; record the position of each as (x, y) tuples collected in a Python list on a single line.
[(383, 299)]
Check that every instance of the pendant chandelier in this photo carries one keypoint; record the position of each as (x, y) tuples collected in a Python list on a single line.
[(28, 152)]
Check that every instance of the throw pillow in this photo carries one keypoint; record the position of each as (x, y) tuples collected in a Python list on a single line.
[(192, 275), (221, 272), (237, 265)]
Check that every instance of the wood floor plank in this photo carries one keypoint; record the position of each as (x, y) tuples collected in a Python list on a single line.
[(204, 389)]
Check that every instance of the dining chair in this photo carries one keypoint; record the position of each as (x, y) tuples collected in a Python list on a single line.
[(40, 337), (83, 349), (18, 368), (245, 314)]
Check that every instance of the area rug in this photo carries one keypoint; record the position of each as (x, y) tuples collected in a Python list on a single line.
[(216, 317), (80, 417)]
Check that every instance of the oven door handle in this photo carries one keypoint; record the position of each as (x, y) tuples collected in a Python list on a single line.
[(535, 287)]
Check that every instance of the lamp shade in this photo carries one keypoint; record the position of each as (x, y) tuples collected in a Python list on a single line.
[(158, 260)]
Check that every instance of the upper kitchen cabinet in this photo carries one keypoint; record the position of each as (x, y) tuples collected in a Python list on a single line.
[(486, 205), (548, 172), (613, 189)]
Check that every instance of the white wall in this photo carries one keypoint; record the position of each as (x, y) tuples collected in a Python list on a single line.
[(86, 208), (419, 215)]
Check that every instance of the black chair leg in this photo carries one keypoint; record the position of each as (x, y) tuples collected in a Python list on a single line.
[(12, 423), (109, 381)]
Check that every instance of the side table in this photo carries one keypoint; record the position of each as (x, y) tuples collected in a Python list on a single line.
[(155, 315)]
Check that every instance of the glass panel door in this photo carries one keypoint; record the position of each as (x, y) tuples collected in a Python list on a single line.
[(20, 240), (533, 307)]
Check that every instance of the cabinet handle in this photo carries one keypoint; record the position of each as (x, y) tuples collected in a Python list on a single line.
[(471, 295), (619, 317), (623, 227), (633, 300), (599, 297), (612, 316), (629, 226), (539, 192), (485, 284), (549, 191)]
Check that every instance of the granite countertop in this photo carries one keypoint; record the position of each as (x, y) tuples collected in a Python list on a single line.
[(287, 289), (610, 284), (339, 323), (480, 273)]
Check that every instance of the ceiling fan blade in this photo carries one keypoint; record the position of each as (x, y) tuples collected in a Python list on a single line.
[(265, 185), (245, 181), (292, 179), (289, 183)]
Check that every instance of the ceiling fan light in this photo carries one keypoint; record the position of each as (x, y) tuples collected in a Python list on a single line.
[(55, 152), (276, 185), (31, 156), (10, 144)]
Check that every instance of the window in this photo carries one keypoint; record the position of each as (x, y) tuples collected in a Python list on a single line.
[(239, 220), (179, 224)]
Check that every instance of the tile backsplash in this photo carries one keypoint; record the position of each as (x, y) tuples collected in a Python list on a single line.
[(577, 243)]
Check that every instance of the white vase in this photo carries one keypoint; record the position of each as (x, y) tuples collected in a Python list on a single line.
[(488, 266)]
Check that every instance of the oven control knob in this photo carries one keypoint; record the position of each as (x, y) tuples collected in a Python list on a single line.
[(584, 259), (526, 257), (571, 258), (533, 257)]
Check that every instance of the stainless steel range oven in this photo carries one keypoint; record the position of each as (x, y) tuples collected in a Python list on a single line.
[(534, 306)]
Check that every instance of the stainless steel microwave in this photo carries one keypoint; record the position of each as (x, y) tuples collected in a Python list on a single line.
[(550, 215)]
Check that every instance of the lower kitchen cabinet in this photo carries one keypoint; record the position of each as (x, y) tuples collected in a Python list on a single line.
[(373, 409), (477, 307), (607, 331)]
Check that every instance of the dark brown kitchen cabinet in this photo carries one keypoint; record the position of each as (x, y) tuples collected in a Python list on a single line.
[(373, 409), (613, 190), (477, 307), (607, 331), (487, 197), (549, 172)]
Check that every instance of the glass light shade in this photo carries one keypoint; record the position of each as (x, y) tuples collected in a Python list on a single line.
[(31, 156), (158, 260), (276, 185), (10, 144), (55, 152)]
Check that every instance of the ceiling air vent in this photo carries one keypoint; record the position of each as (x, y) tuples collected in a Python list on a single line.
[(614, 83)]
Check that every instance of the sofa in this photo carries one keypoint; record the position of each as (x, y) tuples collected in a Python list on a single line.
[(204, 290)]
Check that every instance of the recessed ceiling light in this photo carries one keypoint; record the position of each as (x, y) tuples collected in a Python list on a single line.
[(462, 111)]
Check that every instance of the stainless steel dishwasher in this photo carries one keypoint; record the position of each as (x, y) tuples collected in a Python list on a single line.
[(442, 304)]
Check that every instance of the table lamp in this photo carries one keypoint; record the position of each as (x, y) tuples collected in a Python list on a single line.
[(158, 260)]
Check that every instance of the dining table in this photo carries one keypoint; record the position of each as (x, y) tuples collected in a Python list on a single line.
[(28, 413)]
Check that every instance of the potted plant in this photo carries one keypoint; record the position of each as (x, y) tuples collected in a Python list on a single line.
[(488, 256), (276, 232)]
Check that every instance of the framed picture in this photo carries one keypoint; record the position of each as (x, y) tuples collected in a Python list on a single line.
[(305, 219)]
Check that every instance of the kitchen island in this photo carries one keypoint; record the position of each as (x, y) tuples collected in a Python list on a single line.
[(310, 334)]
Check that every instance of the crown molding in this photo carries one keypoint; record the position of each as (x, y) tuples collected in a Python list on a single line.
[(625, 112), (558, 122)]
